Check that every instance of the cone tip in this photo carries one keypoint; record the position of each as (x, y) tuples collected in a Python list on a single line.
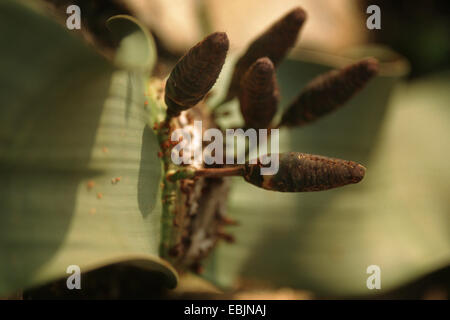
[(297, 14), (218, 41), (358, 173), (264, 64), (371, 64)]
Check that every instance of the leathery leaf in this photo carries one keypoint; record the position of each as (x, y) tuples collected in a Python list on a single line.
[(78, 163)]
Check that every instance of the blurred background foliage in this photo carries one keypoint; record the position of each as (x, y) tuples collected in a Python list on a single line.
[(316, 244), (397, 217), (417, 29)]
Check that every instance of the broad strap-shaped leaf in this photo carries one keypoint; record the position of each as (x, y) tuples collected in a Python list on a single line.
[(136, 47), (78, 163)]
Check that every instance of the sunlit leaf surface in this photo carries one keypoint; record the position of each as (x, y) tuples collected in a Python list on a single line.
[(79, 169)]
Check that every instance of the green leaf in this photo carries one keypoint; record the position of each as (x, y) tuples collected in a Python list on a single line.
[(397, 217), (70, 124), (136, 45)]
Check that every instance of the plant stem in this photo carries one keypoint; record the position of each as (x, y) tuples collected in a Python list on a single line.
[(220, 172)]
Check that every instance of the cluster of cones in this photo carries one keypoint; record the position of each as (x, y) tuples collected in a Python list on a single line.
[(254, 83)]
